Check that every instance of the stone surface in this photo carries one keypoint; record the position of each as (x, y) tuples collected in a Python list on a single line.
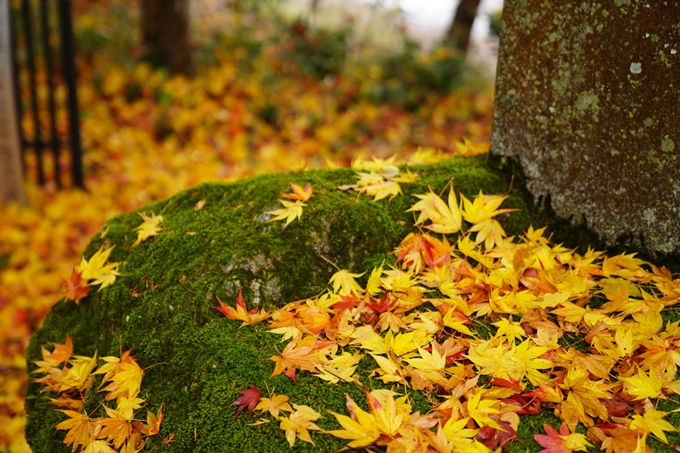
[(587, 100)]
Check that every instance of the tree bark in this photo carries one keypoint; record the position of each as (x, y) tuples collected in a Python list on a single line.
[(458, 33), (165, 34), (587, 102), (11, 177)]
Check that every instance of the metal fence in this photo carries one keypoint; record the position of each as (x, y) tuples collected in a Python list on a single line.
[(43, 51)]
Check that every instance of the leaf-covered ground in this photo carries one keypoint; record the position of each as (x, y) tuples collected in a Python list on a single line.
[(146, 135)]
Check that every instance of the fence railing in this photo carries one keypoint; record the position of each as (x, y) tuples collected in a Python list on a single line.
[(45, 88)]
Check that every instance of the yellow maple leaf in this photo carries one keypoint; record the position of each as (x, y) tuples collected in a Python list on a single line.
[(389, 370), (344, 283), (373, 285), (292, 210), (644, 385), (480, 409), (376, 165), (509, 329), (424, 156), (514, 361), (428, 361), (380, 190), (456, 431), (127, 406), (149, 228), (361, 430), (274, 405), (339, 368), (652, 422), (97, 270), (78, 376), (98, 446), (467, 148), (389, 414), (445, 218), (126, 382), (299, 423)]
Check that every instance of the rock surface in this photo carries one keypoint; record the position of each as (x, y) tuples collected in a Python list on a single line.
[(161, 305), (587, 99)]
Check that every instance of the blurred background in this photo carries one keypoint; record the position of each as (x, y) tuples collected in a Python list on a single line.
[(172, 93)]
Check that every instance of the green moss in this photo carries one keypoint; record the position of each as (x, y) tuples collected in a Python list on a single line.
[(161, 306)]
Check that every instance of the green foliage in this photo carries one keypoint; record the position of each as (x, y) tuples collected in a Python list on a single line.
[(406, 78), (313, 51)]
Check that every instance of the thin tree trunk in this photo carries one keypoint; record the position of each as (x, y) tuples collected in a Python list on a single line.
[(165, 34), (458, 33), (11, 177)]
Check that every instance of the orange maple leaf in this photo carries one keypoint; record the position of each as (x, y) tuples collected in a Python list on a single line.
[(293, 357), (115, 427), (61, 353), (241, 313), (76, 287), (79, 428), (417, 249), (153, 422), (299, 193)]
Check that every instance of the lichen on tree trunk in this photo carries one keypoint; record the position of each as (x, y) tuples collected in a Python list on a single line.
[(587, 99)]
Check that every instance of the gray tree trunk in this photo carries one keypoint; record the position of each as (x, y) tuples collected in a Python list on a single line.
[(165, 34), (587, 97)]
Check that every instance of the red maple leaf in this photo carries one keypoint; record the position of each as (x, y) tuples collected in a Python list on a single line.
[(241, 313), (249, 398), (348, 302), (380, 307), (615, 408), (552, 441), (494, 438), (510, 383), (526, 406)]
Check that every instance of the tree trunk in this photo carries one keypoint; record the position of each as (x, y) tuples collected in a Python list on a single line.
[(458, 33), (587, 102), (165, 34), (11, 178)]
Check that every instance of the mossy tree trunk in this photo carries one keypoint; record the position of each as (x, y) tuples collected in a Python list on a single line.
[(587, 102), (458, 33), (165, 34)]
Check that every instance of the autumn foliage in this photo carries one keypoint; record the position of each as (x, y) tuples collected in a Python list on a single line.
[(419, 322), (488, 329), (71, 378)]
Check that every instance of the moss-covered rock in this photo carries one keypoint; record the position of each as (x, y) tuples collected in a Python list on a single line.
[(161, 305)]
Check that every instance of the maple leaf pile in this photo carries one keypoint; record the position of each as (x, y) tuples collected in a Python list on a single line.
[(457, 338)]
